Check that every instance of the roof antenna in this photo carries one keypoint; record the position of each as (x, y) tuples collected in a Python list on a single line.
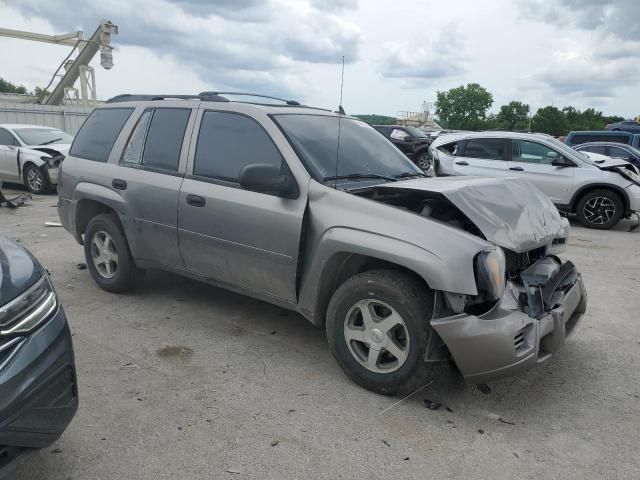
[(340, 114)]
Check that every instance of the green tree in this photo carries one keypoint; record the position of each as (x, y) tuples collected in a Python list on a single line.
[(41, 92), (464, 108), (550, 120), (373, 119), (8, 87), (513, 116)]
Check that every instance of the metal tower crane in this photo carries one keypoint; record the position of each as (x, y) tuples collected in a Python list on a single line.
[(75, 68)]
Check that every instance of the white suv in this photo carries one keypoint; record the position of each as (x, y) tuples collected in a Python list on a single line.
[(599, 192)]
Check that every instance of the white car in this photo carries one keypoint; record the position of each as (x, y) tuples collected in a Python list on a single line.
[(600, 192), (31, 154)]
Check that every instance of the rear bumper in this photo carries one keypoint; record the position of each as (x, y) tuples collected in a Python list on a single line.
[(67, 215), (38, 392), (505, 341)]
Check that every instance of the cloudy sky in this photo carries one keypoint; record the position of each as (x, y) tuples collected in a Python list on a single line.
[(398, 54)]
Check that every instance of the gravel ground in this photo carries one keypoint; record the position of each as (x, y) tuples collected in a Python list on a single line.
[(185, 381)]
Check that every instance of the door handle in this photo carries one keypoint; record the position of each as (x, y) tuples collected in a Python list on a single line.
[(196, 200), (462, 162), (517, 169), (119, 184)]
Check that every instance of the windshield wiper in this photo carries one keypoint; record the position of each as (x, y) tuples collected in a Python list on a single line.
[(352, 176), (411, 174), (51, 141)]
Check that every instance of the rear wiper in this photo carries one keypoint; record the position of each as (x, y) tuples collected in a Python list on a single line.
[(352, 176), (411, 174), (51, 141)]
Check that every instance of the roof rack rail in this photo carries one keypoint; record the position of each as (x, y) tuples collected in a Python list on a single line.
[(127, 97), (256, 95)]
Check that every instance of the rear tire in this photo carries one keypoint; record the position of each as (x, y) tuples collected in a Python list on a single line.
[(424, 161), (388, 356), (108, 256), (600, 209)]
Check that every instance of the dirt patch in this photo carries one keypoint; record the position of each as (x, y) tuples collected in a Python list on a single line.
[(174, 351)]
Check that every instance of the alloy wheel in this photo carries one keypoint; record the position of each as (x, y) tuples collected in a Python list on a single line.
[(35, 179), (376, 336), (104, 254), (599, 210)]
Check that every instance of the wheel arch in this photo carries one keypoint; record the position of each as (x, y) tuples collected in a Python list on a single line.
[(91, 200), (599, 186)]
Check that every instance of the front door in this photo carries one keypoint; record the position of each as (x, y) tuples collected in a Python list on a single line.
[(237, 236), (532, 160), (483, 157), (9, 169)]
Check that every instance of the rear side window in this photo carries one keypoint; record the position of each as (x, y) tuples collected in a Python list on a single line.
[(228, 142), (164, 140), (99, 132), (485, 148), (594, 149), (452, 148), (6, 138)]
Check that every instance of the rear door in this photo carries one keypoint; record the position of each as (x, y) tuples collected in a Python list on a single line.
[(483, 157), (150, 172), (237, 236), (9, 169), (532, 160)]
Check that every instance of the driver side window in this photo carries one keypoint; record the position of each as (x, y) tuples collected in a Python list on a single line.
[(533, 152)]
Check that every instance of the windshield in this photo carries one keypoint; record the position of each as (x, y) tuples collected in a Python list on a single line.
[(416, 132), (42, 136), (362, 149)]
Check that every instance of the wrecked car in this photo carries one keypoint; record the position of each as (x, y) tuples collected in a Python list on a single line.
[(599, 193), (318, 213), (31, 154), (38, 392)]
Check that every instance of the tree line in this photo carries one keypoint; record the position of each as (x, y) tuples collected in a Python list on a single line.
[(467, 108), (8, 87)]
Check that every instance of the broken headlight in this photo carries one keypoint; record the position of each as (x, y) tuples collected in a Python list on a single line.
[(29, 309), (490, 268)]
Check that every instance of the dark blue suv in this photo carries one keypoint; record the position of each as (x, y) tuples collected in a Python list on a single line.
[(38, 389)]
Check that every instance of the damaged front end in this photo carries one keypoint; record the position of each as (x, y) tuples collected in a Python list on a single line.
[(528, 301)]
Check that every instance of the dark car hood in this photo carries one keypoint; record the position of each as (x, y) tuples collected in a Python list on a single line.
[(511, 212), (18, 270)]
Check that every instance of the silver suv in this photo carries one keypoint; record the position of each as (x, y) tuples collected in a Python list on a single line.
[(600, 193), (318, 213)]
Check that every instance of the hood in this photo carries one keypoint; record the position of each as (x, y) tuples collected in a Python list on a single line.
[(511, 213), (18, 270), (53, 149)]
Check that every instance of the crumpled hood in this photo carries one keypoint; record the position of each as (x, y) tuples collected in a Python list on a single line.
[(510, 212), (52, 149), (18, 270)]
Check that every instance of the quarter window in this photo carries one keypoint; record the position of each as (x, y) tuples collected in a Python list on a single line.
[(485, 148), (533, 152), (164, 140), (133, 151), (228, 142), (98, 133)]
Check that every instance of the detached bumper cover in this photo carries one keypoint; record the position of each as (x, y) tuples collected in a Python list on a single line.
[(38, 392), (506, 341)]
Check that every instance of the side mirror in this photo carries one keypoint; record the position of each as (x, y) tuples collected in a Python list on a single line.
[(264, 178), (562, 162)]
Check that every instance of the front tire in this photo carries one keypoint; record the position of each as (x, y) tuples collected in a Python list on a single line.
[(35, 180), (378, 327), (108, 256), (599, 209), (424, 162)]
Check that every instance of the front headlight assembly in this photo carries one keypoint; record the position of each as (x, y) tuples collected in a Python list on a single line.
[(28, 310), (490, 268)]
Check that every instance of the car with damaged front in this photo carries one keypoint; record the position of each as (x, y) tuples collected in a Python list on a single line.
[(38, 392), (599, 193), (318, 213), (31, 155)]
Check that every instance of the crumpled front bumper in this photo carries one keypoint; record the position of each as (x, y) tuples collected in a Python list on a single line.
[(506, 341)]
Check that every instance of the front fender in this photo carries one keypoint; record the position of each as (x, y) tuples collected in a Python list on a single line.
[(436, 271)]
